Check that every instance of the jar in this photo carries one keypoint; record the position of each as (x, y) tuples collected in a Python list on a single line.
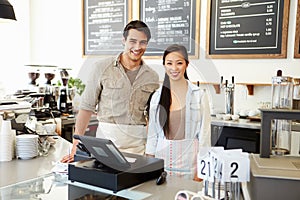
[(296, 94), (282, 92), (282, 98)]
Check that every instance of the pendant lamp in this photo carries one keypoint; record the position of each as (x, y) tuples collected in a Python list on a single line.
[(6, 10)]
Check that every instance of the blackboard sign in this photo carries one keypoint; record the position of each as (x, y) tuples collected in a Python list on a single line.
[(297, 34), (171, 22), (103, 24), (247, 29)]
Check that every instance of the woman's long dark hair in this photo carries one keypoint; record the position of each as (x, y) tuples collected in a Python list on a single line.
[(165, 97)]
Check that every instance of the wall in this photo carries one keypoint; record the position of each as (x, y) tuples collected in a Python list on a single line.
[(14, 48), (56, 33), (56, 39)]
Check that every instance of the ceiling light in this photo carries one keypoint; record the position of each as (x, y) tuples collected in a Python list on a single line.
[(6, 10)]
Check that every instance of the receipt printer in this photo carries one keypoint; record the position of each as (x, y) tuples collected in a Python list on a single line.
[(108, 168)]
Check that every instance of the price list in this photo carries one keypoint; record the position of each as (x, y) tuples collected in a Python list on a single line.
[(246, 26), (170, 21), (103, 26)]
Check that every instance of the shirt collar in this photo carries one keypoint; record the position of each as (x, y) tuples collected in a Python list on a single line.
[(118, 62)]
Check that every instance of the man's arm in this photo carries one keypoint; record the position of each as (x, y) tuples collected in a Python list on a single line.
[(82, 122)]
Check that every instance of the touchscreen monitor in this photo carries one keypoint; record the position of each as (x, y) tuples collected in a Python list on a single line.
[(105, 151)]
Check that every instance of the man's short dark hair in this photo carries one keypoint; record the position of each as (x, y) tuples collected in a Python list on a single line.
[(138, 25)]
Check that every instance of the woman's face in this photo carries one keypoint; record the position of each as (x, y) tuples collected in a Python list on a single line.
[(175, 66)]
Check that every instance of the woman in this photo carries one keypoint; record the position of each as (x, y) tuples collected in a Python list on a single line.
[(179, 117)]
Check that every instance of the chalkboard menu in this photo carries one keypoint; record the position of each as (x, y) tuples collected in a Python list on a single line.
[(173, 21), (103, 24), (297, 34), (247, 29)]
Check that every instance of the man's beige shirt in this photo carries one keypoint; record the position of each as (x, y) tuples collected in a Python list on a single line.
[(110, 92)]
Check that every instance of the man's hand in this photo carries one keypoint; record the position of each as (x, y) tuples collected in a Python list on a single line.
[(70, 157)]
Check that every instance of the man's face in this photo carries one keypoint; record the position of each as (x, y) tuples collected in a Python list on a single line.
[(135, 45)]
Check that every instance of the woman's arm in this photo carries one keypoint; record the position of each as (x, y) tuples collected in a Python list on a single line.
[(205, 129), (152, 132)]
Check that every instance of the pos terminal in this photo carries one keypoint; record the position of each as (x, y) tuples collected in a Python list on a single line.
[(106, 167)]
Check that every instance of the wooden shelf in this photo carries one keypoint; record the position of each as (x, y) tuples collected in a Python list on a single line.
[(216, 85), (250, 86)]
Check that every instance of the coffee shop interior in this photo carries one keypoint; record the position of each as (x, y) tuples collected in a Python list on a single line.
[(252, 92)]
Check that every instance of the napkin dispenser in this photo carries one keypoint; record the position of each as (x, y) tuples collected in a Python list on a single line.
[(110, 169)]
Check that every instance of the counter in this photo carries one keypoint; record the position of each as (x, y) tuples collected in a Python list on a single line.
[(68, 127), (17, 170), (279, 174), (246, 123), (25, 177), (32, 178), (47, 187), (241, 123)]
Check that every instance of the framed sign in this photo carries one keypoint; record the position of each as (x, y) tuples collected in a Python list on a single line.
[(171, 22), (247, 29), (103, 23), (297, 34)]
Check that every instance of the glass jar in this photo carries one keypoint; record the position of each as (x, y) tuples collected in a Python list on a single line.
[(282, 92), (282, 98), (296, 94)]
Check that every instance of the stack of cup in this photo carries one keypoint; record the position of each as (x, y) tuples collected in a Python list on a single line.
[(6, 141)]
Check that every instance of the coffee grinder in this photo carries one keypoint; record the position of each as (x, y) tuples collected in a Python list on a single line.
[(33, 75), (66, 94), (49, 100)]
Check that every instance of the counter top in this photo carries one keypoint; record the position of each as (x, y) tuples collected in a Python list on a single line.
[(241, 123), (47, 187), (33, 174), (18, 170), (25, 179), (246, 123), (71, 120), (277, 167), (279, 174)]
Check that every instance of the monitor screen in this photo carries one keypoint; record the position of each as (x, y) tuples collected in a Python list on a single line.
[(105, 152)]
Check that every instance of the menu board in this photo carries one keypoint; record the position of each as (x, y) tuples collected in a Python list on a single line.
[(170, 22), (103, 24), (247, 28), (297, 34)]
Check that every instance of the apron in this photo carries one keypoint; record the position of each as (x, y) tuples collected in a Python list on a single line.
[(127, 138), (180, 156)]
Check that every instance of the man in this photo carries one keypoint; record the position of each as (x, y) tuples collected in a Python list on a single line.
[(119, 88)]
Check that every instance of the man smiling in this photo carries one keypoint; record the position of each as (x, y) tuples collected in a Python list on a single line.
[(118, 88)]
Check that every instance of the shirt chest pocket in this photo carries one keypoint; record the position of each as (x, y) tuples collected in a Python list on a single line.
[(195, 111), (113, 89), (142, 94)]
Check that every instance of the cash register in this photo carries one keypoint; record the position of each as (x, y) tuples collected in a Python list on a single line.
[(103, 165)]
